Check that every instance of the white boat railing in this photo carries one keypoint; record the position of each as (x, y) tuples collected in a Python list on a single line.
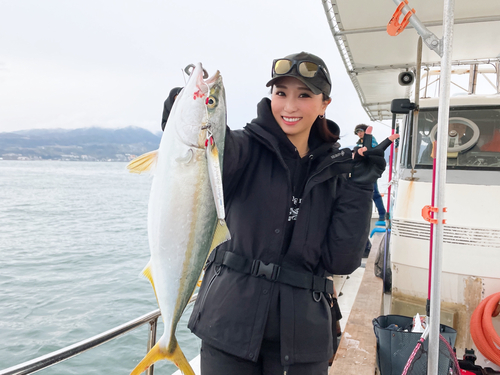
[(63, 354)]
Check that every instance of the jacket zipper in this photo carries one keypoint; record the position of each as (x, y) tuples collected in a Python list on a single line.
[(218, 270)]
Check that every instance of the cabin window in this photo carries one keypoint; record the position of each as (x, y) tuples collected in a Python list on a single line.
[(473, 137)]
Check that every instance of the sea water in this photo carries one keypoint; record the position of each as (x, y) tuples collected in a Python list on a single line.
[(73, 241)]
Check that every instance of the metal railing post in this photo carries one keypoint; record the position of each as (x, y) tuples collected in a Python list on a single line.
[(153, 325)]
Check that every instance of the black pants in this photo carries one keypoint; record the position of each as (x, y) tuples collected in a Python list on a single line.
[(217, 362)]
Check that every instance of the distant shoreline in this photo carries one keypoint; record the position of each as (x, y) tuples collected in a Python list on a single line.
[(86, 144)]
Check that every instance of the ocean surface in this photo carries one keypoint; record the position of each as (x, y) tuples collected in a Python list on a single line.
[(73, 241)]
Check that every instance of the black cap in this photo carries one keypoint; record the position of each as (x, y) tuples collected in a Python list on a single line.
[(318, 84)]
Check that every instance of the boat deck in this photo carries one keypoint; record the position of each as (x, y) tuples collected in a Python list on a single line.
[(356, 354)]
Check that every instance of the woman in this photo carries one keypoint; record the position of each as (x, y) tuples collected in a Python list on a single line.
[(295, 216)]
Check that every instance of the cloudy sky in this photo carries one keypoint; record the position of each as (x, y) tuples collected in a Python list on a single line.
[(111, 63)]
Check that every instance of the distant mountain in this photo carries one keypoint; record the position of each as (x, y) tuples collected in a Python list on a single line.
[(78, 144)]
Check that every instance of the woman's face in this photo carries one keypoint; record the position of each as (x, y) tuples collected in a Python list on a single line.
[(295, 107)]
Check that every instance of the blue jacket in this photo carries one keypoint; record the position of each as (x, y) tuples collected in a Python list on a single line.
[(374, 142)]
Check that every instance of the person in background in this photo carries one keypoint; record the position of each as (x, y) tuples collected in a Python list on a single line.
[(298, 208), (360, 131)]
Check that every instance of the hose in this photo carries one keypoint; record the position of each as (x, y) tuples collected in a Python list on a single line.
[(482, 331)]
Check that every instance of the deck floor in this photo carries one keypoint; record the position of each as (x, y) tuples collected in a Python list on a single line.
[(347, 288)]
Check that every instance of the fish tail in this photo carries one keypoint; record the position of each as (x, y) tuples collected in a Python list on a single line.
[(156, 354), (180, 361)]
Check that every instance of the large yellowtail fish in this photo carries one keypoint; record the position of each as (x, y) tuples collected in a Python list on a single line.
[(186, 205)]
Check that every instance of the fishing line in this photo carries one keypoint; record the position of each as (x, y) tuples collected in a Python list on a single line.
[(184, 76)]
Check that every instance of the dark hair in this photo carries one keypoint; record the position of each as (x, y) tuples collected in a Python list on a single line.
[(328, 130), (323, 128), (360, 127)]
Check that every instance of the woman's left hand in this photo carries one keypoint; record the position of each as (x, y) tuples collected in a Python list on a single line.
[(369, 163)]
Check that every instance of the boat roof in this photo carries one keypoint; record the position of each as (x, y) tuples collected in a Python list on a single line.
[(374, 59)]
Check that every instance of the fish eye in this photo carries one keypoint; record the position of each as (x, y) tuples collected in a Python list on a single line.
[(211, 102)]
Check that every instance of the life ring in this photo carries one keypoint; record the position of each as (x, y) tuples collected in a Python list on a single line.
[(481, 328)]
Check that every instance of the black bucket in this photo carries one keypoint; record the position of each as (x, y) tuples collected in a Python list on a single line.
[(394, 347)]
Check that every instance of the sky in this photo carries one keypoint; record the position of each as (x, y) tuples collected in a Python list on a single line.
[(111, 63)]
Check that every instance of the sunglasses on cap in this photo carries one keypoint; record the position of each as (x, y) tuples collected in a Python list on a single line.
[(306, 69)]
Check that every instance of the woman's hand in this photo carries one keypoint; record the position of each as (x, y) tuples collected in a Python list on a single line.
[(369, 163)]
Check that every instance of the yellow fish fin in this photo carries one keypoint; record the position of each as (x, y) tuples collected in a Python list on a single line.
[(143, 163), (221, 234), (146, 272), (156, 354)]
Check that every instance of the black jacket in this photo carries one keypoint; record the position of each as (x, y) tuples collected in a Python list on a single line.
[(329, 234)]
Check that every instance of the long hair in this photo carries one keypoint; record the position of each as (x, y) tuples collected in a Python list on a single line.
[(324, 131)]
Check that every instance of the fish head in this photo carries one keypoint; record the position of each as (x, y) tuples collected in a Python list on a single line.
[(199, 108)]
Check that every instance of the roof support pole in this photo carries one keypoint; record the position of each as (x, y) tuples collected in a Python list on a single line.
[(443, 119), (497, 67), (414, 153), (473, 78)]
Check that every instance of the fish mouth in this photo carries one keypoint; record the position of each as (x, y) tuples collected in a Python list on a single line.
[(204, 85), (211, 80)]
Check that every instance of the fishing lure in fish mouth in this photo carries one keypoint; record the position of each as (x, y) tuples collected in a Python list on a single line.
[(215, 175), (210, 137)]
